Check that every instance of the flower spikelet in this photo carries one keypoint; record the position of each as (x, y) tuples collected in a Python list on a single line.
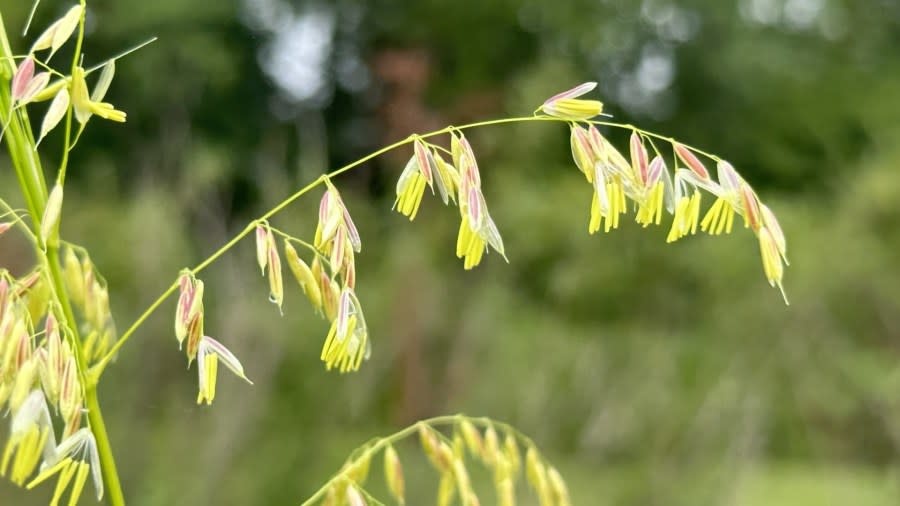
[(190, 307), (612, 177), (567, 105), (31, 438), (347, 343), (425, 167), (73, 460), (477, 229), (393, 474), (304, 276), (85, 106), (336, 233), (268, 259), (209, 353)]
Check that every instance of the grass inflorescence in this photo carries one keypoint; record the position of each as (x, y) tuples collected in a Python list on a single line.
[(58, 335)]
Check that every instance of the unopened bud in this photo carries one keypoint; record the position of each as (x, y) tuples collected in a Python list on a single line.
[(304, 276), (393, 474), (50, 219)]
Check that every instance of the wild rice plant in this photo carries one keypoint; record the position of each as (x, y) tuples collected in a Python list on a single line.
[(57, 335)]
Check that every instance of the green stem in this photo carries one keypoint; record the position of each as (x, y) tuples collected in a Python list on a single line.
[(111, 483), (98, 369), (64, 162), (21, 144), (670, 140)]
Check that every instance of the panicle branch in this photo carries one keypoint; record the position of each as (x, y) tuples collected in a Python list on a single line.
[(452, 444)]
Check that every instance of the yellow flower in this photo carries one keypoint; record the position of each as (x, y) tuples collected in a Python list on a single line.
[(567, 105), (337, 237), (335, 222), (190, 304), (771, 258), (410, 188), (31, 437), (86, 105), (469, 245), (607, 203), (304, 276), (347, 343), (720, 217), (650, 210), (687, 213), (650, 188), (477, 230), (775, 229), (583, 151), (425, 167), (72, 460), (750, 207), (209, 353)]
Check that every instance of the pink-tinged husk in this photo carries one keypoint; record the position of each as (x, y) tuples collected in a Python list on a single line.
[(729, 180), (575, 92), (473, 207), (194, 334), (582, 151), (750, 206), (338, 245), (276, 283), (771, 223), (70, 390), (23, 75), (354, 497), (422, 161), (449, 178), (182, 307), (262, 248), (349, 269), (638, 158), (598, 144), (4, 298), (655, 170), (468, 159), (691, 160), (35, 86)]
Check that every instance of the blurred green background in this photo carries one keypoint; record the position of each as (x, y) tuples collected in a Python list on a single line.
[(652, 374)]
